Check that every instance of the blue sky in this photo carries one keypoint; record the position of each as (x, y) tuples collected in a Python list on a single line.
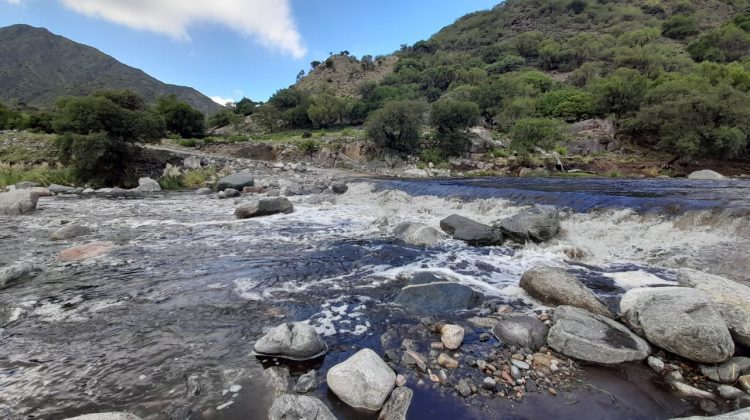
[(236, 48)]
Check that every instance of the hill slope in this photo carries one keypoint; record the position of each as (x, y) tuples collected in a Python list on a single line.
[(37, 67)]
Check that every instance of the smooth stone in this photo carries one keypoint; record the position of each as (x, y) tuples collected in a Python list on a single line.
[(229, 193), (15, 272), (555, 286), (464, 387), (744, 382), (279, 378), (705, 175), (70, 231), (397, 405), (293, 340), (86, 251), (299, 407), (417, 234), (727, 372), (307, 382), (364, 380), (521, 331), (106, 416), (429, 293), (582, 335), (688, 391), (13, 203), (237, 181), (203, 191), (264, 207), (538, 224), (470, 231), (447, 362), (148, 185), (339, 188), (681, 320), (451, 336), (743, 414), (413, 358), (26, 185), (730, 393), (656, 364), (489, 383), (519, 364), (61, 189)]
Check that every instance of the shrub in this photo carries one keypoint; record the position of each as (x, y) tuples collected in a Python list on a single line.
[(431, 155), (397, 125), (187, 142), (567, 104), (43, 174), (620, 94), (452, 118), (506, 64), (180, 117), (326, 110), (198, 178), (728, 43), (531, 133), (309, 147), (680, 27), (245, 106), (224, 118)]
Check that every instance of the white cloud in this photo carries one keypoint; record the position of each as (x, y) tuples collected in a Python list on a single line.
[(269, 22), (222, 101), (13, 1)]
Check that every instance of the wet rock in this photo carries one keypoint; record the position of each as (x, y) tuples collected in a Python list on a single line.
[(17, 202), (70, 231), (680, 320), (194, 386), (85, 252), (731, 298), (237, 181), (656, 364), (363, 381), (706, 175), (15, 272), (744, 382), (432, 294), (538, 224), (279, 378), (299, 407), (743, 414), (148, 185), (106, 416), (555, 286), (264, 207), (489, 384), (400, 380), (339, 188), (730, 393), (582, 335), (464, 387), (192, 162), (687, 391), (307, 382), (520, 364), (203, 191), (61, 189), (451, 336), (471, 232), (447, 362), (397, 405), (521, 331), (727, 372), (417, 234), (414, 359), (229, 193), (293, 340)]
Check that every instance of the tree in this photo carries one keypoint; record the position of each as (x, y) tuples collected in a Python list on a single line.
[(300, 75), (224, 118), (9, 118), (123, 98), (314, 64), (680, 27), (568, 104), (367, 63), (268, 117), (530, 133), (452, 119), (620, 94), (397, 125), (527, 44), (728, 43), (246, 106), (180, 117), (326, 110)]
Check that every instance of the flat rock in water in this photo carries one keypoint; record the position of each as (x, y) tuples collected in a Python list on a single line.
[(238, 181), (69, 231), (13, 203), (397, 405), (538, 224), (521, 331), (264, 207), (15, 272), (279, 378), (705, 175), (418, 234), (85, 252), (61, 189), (148, 185), (363, 381), (582, 335), (471, 232), (307, 382), (428, 293), (105, 416), (299, 407), (731, 298), (681, 320), (555, 286), (294, 341)]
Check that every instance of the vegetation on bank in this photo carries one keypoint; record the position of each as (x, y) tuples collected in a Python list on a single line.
[(43, 174)]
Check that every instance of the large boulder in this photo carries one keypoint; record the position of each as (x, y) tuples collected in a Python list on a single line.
[(293, 341), (70, 231), (471, 232), (417, 234), (105, 416), (591, 136), (555, 286), (582, 335), (238, 181), (85, 252), (264, 207), (429, 293), (363, 381), (299, 407), (706, 175), (742, 414), (538, 224), (731, 298), (148, 185), (681, 320), (521, 331), (17, 202), (15, 272)]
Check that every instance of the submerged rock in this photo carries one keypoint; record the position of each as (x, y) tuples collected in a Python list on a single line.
[(148, 185), (307, 382), (106, 416), (363, 381), (237, 181), (429, 293), (681, 320), (293, 340), (279, 378), (17, 202), (705, 175), (582, 335), (521, 331), (15, 272), (264, 207), (70, 231), (538, 224), (555, 286), (417, 234), (397, 405), (299, 407), (731, 298), (85, 252), (452, 336), (471, 232)]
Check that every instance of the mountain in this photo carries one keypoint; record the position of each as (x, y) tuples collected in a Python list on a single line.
[(38, 67)]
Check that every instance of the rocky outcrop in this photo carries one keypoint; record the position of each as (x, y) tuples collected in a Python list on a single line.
[(105, 416), (238, 181), (69, 231), (294, 341), (520, 331), (299, 407), (555, 286), (471, 232), (61, 189), (705, 175), (17, 202), (591, 136), (728, 372), (85, 252), (582, 335), (681, 320), (731, 298), (15, 272), (264, 207), (743, 414), (148, 185), (538, 224), (363, 381), (192, 162), (429, 293), (417, 234)]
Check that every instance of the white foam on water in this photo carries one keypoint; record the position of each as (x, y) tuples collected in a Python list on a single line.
[(248, 288), (633, 279)]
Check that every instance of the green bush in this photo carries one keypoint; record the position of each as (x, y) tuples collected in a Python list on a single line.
[(224, 118), (431, 155), (726, 44), (180, 117), (506, 64), (43, 174), (309, 147), (620, 94), (567, 104), (188, 142), (452, 118), (680, 27), (171, 183), (531, 133), (397, 125), (198, 178)]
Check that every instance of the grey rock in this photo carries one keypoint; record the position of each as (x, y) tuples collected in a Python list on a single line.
[(429, 293), (489, 384), (538, 224), (148, 185), (397, 405), (582, 335), (15, 272), (519, 364), (464, 387), (294, 341), (687, 391), (238, 181), (279, 378), (203, 191), (192, 162), (731, 298), (26, 185), (307, 382), (681, 320), (264, 207), (88, 191), (414, 359), (471, 232), (70, 231), (705, 175), (520, 331), (743, 414), (728, 372), (656, 364), (61, 189), (339, 188), (229, 193), (362, 381), (730, 392), (555, 286), (7, 315), (106, 416), (299, 407), (17, 202), (417, 234)]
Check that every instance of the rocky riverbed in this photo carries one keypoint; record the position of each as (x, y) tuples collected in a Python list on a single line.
[(414, 298)]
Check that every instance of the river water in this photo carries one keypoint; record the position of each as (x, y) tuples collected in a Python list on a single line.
[(188, 289)]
